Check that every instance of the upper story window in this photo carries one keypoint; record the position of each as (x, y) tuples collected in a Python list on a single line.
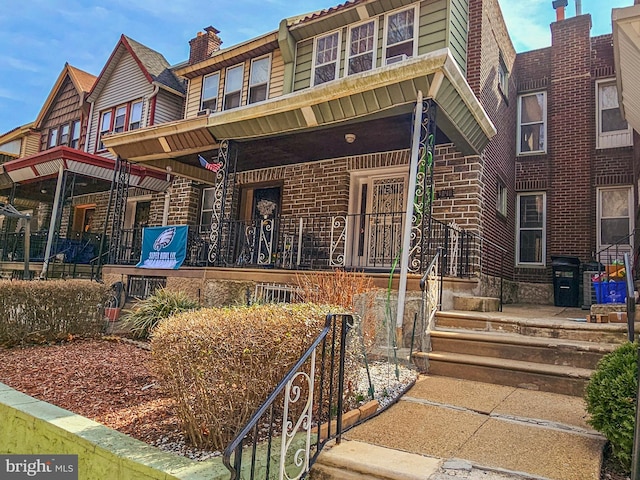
[(53, 138), (135, 118), (503, 77), (361, 48), (210, 86), (259, 79), (613, 130), (531, 229), (119, 119), (325, 58), (400, 33), (75, 135), (233, 87), (64, 134), (501, 198), (532, 123)]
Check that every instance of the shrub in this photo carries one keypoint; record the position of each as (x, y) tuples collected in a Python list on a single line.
[(148, 313), (611, 396), (220, 364), (49, 311)]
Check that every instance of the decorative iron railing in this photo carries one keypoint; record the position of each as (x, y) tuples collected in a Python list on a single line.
[(370, 242), (424, 321), (286, 434)]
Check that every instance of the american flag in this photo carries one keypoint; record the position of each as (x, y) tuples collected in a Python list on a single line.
[(214, 167)]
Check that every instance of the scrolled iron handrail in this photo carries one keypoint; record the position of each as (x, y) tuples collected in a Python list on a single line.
[(235, 446)]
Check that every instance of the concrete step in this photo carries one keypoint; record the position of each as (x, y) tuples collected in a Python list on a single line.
[(476, 304), (515, 373), (549, 351), (613, 333), (352, 460)]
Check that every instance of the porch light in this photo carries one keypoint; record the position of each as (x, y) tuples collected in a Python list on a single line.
[(350, 137)]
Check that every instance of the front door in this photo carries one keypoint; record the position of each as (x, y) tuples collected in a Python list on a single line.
[(381, 212), (259, 211)]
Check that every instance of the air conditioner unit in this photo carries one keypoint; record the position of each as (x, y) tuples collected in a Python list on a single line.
[(204, 113), (397, 58)]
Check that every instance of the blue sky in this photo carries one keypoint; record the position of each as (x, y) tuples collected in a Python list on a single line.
[(38, 36)]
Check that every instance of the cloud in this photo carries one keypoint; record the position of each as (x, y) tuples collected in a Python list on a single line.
[(9, 95), (18, 64)]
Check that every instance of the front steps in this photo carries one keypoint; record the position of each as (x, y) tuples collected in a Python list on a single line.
[(552, 355)]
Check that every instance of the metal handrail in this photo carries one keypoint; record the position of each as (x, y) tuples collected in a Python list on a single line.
[(306, 420), (432, 268)]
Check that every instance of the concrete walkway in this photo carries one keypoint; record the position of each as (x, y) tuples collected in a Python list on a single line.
[(446, 428)]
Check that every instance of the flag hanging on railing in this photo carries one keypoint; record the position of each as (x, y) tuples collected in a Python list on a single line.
[(163, 247), (214, 167)]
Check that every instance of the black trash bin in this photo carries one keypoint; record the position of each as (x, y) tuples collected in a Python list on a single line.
[(566, 281)]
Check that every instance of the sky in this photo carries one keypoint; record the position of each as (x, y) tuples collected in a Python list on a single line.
[(37, 37)]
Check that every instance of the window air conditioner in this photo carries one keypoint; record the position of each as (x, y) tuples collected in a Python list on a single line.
[(204, 113), (397, 58)]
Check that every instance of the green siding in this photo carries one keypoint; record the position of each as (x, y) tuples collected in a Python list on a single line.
[(432, 34), (304, 58), (458, 32)]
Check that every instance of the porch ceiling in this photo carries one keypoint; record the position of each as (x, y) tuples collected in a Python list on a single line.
[(626, 48), (371, 96)]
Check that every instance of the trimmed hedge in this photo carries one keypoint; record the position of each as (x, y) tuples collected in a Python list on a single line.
[(49, 311), (220, 364), (611, 400)]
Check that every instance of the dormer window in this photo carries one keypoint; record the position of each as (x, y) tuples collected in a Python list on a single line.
[(135, 118), (400, 36), (326, 58), (210, 86), (361, 48), (75, 134), (233, 87), (64, 134), (121, 115), (105, 127), (53, 138), (259, 79)]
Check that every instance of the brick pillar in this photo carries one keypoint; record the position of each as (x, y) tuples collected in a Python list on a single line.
[(203, 45), (570, 107)]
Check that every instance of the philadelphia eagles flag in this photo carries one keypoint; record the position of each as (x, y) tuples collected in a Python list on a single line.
[(163, 247)]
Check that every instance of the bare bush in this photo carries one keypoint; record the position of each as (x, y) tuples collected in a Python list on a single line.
[(49, 311)]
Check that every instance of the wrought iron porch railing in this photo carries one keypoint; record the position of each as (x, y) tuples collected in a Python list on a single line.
[(364, 241), (431, 285), (284, 442), (614, 253)]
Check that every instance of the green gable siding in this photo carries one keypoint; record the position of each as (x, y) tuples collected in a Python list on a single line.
[(458, 32), (304, 58), (432, 33)]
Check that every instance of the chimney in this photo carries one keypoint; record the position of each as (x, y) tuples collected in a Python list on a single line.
[(559, 5), (203, 45)]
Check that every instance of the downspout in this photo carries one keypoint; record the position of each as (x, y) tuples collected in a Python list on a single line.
[(52, 223), (406, 237)]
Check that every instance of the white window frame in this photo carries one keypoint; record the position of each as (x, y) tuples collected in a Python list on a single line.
[(133, 121), (544, 229), (74, 134), (228, 92), (266, 84), (100, 146), (203, 99), (52, 138), (64, 131), (544, 123), (116, 115), (374, 51), (599, 216), (314, 64), (416, 28), (204, 227), (616, 138)]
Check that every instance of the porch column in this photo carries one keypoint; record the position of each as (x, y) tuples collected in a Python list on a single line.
[(415, 239), (223, 168), (54, 221)]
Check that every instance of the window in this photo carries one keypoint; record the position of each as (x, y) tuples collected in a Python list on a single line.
[(53, 138), (105, 127), (325, 58), (614, 216), (532, 123), (613, 130), (135, 119), (501, 199), (400, 36), (503, 77), (531, 229), (361, 48), (206, 212), (210, 86), (121, 115), (75, 134), (259, 79), (233, 87), (64, 134)]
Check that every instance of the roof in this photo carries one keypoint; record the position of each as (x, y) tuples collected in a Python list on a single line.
[(153, 65), (16, 133), (82, 81), (308, 17)]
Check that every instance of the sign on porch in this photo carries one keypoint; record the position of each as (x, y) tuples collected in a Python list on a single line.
[(163, 247)]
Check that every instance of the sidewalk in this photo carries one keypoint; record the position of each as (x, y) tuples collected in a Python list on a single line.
[(499, 433)]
